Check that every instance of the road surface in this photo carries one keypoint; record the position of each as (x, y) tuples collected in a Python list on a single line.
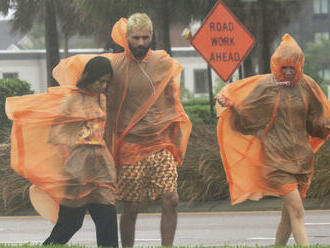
[(194, 229)]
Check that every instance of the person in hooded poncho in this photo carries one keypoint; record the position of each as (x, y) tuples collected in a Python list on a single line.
[(269, 128), (150, 131), (57, 144), (146, 130)]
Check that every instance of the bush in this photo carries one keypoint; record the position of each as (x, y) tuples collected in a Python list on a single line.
[(320, 187), (202, 177), (200, 113), (10, 87), (196, 101), (13, 188)]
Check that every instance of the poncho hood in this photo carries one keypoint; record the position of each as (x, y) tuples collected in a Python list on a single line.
[(118, 33), (288, 53)]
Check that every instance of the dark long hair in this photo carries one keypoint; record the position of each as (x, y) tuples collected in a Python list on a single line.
[(94, 69)]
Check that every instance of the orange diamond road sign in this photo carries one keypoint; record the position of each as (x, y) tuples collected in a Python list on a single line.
[(223, 41)]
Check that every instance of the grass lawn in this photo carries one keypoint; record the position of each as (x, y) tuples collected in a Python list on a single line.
[(76, 246)]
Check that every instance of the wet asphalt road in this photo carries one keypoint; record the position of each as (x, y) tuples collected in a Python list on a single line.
[(202, 229)]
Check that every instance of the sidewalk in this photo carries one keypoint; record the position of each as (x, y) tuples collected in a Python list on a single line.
[(266, 204)]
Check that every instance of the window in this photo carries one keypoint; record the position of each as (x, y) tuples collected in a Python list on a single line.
[(10, 75), (200, 81), (320, 6), (325, 74), (321, 36), (182, 82)]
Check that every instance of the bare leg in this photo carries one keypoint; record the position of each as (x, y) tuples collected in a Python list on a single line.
[(169, 217), (284, 229), (292, 202), (127, 223)]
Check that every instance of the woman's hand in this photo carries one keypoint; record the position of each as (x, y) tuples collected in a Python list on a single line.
[(222, 100)]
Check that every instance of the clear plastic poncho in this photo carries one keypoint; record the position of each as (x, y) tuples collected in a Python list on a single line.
[(268, 138)]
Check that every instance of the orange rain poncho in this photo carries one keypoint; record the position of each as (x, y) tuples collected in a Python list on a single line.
[(269, 136), (52, 146), (144, 110)]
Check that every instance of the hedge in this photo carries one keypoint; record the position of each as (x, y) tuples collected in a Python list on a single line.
[(10, 87)]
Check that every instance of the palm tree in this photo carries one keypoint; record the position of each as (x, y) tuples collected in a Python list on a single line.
[(161, 20), (70, 22), (51, 38), (25, 13), (99, 17), (265, 20), (105, 13)]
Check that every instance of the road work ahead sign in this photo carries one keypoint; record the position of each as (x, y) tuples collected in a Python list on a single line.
[(223, 41)]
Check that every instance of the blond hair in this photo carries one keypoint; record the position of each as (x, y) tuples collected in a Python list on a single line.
[(139, 21)]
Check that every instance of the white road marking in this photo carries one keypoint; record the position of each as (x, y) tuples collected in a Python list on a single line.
[(147, 239), (263, 238), (22, 242), (260, 238), (40, 241), (315, 224)]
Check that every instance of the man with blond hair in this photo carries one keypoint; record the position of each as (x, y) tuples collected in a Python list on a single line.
[(147, 129)]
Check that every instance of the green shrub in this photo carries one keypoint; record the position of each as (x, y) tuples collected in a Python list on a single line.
[(10, 87), (196, 101), (202, 177), (320, 187), (200, 113), (13, 188)]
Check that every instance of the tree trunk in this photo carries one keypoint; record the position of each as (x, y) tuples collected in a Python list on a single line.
[(265, 36), (266, 53), (66, 45), (259, 36), (161, 22), (52, 47), (248, 69), (249, 63)]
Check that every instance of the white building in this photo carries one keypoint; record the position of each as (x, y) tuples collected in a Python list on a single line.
[(30, 65)]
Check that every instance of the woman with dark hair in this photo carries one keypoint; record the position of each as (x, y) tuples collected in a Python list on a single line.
[(72, 170), (94, 69), (89, 164)]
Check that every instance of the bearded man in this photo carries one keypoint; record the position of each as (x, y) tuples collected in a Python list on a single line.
[(147, 129)]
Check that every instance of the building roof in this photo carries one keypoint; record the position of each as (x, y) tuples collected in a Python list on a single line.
[(8, 39), (41, 53)]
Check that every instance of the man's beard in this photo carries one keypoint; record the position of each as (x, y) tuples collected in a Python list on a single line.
[(139, 52)]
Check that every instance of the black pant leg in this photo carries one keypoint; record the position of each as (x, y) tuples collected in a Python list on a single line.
[(68, 223), (105, 219)]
